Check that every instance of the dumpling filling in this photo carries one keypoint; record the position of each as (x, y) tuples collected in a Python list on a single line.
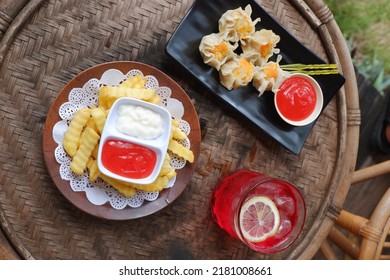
[(261, 46), (268, 77), (236, 73), (215, 50), (237, 23)]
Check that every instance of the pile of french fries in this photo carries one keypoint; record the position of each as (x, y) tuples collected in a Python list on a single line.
[(81, 140)]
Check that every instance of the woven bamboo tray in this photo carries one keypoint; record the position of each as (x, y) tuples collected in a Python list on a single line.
[(46, 43)]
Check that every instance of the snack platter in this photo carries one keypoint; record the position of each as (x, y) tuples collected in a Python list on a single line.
[(97, 197), (34, 207), (202, 19)]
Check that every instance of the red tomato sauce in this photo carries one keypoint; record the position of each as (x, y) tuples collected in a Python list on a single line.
[(296, 98), (128, 159)]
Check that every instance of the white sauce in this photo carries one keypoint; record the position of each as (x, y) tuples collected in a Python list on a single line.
[(139, 121)]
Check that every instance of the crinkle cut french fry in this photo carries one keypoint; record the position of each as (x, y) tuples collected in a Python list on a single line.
[(108, 94), (166, 167), (72, 134), (155, 99), (102, 97), (140, 93), (136, 81), (175, 123), (92, 124), (95, 152), (80, 139), (171, 174), (93, 169), (181, 151), (99, 117), (159, 184), (120, 186), (173, 128), (89, 141), (176, 132)]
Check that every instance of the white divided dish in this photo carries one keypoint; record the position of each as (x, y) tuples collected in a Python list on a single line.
[(158, 144)]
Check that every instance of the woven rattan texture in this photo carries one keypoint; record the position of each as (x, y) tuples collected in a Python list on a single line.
[(61, 39)]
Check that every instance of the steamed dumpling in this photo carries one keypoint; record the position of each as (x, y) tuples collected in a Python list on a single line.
[(236, 73), (269, 77), (236, 28), (261, 46), (237, 23), (215, 50)]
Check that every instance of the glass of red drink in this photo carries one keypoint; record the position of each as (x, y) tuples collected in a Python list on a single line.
[(245, 197)]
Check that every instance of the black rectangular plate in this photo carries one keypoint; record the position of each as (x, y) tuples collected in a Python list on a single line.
[(202, 19)]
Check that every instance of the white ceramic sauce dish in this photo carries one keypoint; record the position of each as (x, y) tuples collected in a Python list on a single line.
[(318, 105), (158, 144)]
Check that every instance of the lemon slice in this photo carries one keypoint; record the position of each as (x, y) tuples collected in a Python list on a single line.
[(259, 219)]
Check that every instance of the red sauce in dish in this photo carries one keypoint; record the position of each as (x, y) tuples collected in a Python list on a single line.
[(296, 98), (128, 159)]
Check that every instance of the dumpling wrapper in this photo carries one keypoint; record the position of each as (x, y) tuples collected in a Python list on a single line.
[(269, 77), (236, 73), (216, 50), (237, 23), (261, 45)]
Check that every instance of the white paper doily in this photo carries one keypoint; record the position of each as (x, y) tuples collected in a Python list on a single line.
[(99, 192)]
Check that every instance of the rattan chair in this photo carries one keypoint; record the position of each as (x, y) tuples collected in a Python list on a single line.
[(357, 237)]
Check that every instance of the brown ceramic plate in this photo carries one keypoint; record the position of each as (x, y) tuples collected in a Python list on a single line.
[(166, 196)]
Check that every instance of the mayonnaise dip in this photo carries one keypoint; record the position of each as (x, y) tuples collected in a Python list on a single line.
[(139, 121)]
